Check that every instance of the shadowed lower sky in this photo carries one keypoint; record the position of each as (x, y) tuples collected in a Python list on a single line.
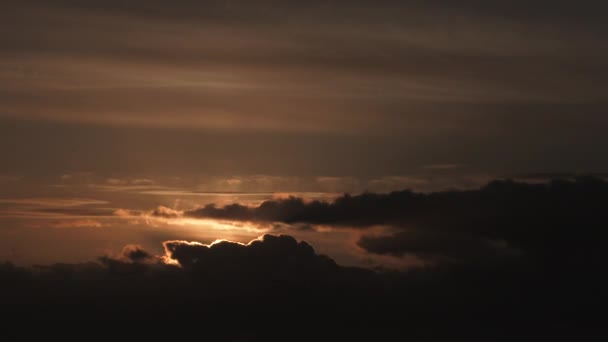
[(133, 105)]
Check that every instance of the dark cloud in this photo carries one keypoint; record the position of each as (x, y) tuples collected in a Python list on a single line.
[(359, 210), (271, 274), (136, 253), (559, 219), (547, 176), (270, 252), (276, 276), (133, 260), (79, 211), (439, 246)]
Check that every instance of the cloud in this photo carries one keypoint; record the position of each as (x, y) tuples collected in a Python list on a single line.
[(76, 223), (404, 56), (136, 253), (53, 202), (440, 247), (9, 178), (142, 181), (116, 181), (347, 210), (77, 211), (503, 218), (55, 208), (269, 252), (277, 276), (133, 182), (126, 213), (165, 212), (547, 176), (159, 212), (268, 275), (446, 166)]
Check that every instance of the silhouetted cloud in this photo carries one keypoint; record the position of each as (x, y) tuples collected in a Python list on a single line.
[(441, 247), (360, 210), (276, 276), (269, 274), (268, 252), (556, 219), (547, 176), (136, 253)]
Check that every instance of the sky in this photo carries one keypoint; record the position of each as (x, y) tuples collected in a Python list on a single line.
[(120, 121)]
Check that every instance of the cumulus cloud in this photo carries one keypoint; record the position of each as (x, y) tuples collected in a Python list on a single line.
[(266, 253)]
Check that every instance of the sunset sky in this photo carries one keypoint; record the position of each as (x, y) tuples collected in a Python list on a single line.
[(121, 120)]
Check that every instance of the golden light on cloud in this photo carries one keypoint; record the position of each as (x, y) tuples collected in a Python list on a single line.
[(219, 225), (170, 217)]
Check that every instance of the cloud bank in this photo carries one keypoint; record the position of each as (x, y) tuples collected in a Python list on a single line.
[(277, 276), (502, 218)]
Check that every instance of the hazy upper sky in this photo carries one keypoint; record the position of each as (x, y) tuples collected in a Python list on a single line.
[(135, 104)]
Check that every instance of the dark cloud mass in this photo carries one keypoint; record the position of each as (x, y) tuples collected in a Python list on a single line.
[(276, 276), (560, 219), (439, 247), (267, 253), (270, 275)]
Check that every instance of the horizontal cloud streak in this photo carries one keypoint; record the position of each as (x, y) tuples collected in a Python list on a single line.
[(68, 208), (379, 65)]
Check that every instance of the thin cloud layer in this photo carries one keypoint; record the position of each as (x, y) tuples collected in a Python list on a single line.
[(387, 66), (338, 91)]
